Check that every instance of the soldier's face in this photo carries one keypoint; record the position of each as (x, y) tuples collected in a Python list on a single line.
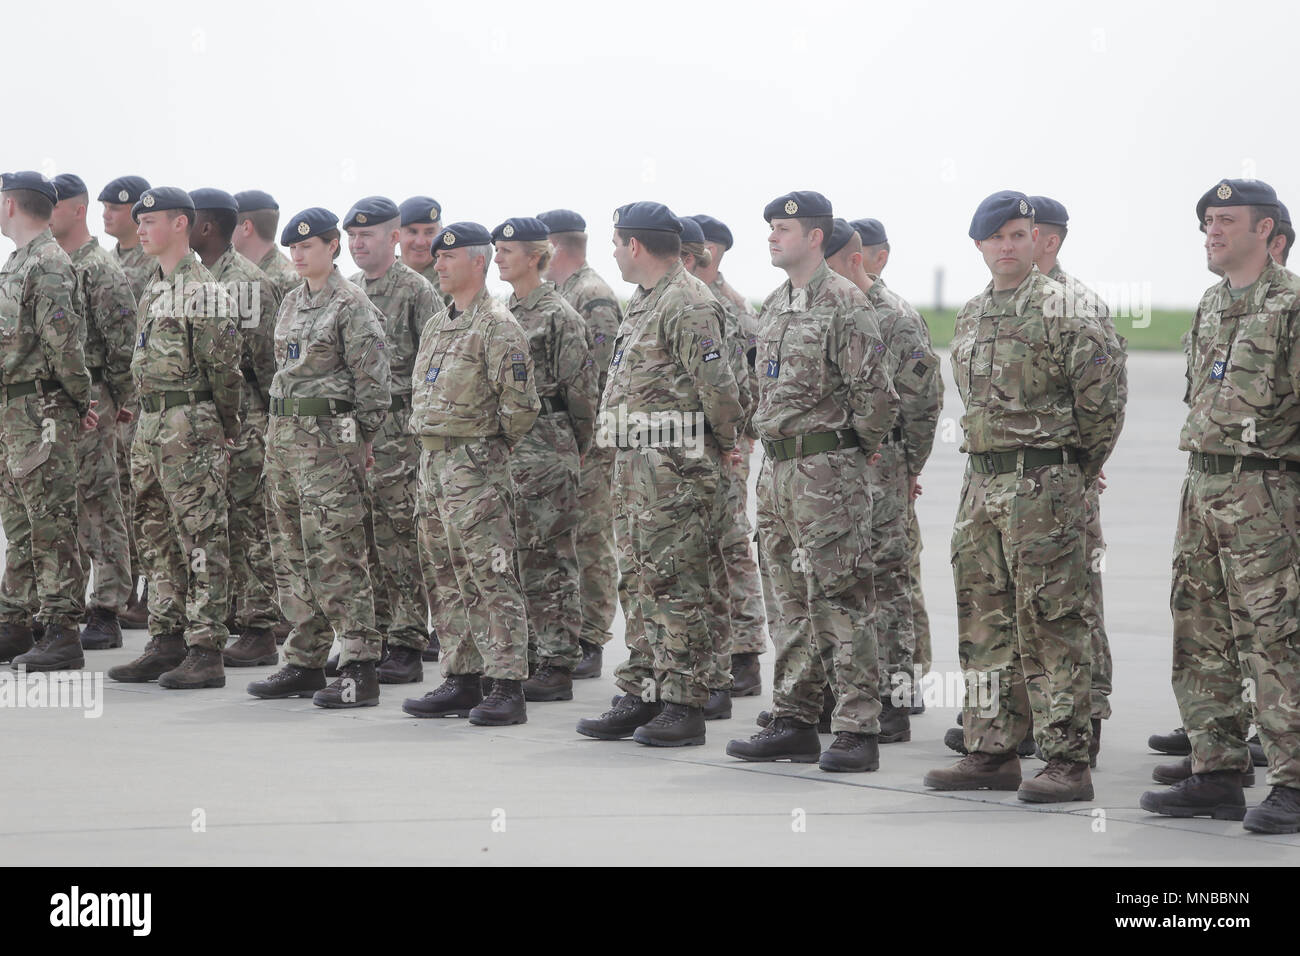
[(1009, 252), (417, 244), (117, 219), (625, 258), (312, 257), (1230, 239), (65, 216), (370, 245), (456, 270), (789, 245), (157, 231), (513, 263)]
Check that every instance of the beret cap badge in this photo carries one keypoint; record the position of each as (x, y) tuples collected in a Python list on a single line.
[(434, 212), (303, 228), (123, 195), (616, 217), (147, 201), (791, 206), (361, 218), (448, 239), (1024, 208), (1224, 191), (508, 231)]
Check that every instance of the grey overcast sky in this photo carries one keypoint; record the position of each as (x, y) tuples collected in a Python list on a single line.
[(910, 112)]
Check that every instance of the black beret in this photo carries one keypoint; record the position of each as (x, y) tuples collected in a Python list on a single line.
[(462, 234), (563, 220), (841, 233), (124, 189), (521, 230), (691, 231), (1049, 212), (997, 210), (308, 223), (68, 185), (715, 230), (207, 198), (1236, 192), (419, 209), (371, 211), (872, 231), (161, 199), (651, 216), (802, 204), (251, 200), (28, 179), (1283, 216)]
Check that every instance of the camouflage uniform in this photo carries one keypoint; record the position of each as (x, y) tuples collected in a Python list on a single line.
[(669, 358), (331, 359), (472, 401), (279, 269), (105, 301), (1236, 568), (545, 466), (139, 268), (823, 369), (597, 562), (251, 576), (41, 335), (187, 348), (914, 370), (1032, 375), (406, 302)]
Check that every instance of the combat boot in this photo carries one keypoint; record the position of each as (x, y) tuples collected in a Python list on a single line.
[(746, 679), (58, 649), (400, 665), (15, 639), (676, 725), (332, 666), (356, 686), (136, 615), (201, 668), (102, 630), (161, 654), (621, 721), (718, 706), (38, 631), (1174, 772), (1217, 795), (1175, 744), (895, 723), (504, 705), (1094, 745), (549, 682), (1061, 781), (954, 738), (454, 697), (764, 718), (978, 771), (1279, 813), (255, 648), (851, 752), (281, 632), (785, 738), (1257, 752), (430, 654), (289, 681), (592, 656)]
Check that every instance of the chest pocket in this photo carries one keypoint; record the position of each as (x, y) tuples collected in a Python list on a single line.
[(1021, 360), (1241, 366), (165, 342)]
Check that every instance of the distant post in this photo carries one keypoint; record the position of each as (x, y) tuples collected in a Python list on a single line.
[(938, 287)]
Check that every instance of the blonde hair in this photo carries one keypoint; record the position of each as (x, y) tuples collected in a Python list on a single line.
[(703, 258), (543, 249)]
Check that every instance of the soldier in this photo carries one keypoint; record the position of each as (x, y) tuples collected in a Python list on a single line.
[(256, 221), (421, 220), (824, 404), (914, 371), (592, 297), (331, 360), (546, 463), (186, 371), (1235, 585), (672, 407), (1283, 238), (473, 402), (105, 302), (45, 390), (405, 301), (253, 612), (1043, 408)]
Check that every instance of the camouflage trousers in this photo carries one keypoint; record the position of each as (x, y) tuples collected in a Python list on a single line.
[(664, 500), (891, 553), (1236, 606), (544, 466), (101, 520), (597, 561), (721, 534), (44, 573), (401, 596), (1019, 566), (468, 543), (178, 471), (1093, 609), (125, 440), (814, 521), (315, 493), (252, 580), (923, 657), (748, 620)]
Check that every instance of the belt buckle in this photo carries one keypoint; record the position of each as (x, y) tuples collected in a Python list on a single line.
[(989, 463), (1205, 462)]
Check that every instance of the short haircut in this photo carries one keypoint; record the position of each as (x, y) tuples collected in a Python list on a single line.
[(703, 258), (657, 242), (483, 250), (825, 223), (575, 242), (174, 214), (29, 201), (1263, 212), (264, 222), (223, 219), (1282, 229)]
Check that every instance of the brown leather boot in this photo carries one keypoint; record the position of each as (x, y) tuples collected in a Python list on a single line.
[(978, 771), (102, 630), (549, 682), (255, 648), (281, 632), (201, 668), (1061, 781), (59, 649), (136, 615), (161, 654), (15, 639)]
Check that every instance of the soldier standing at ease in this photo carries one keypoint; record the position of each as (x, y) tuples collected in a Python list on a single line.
[(256, 222), (421, 221)]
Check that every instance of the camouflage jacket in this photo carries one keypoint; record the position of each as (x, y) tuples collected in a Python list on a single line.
[(257, 299), (187, 339), (1243, 369), (41, 329), (138, 266), (105, 300), (914, 370), (670, 357), (595, 301), (431, 276), (1033, 376), (562, 362), (280, 270), (406, 301), (473, 375), (737, 354), (822, 365)]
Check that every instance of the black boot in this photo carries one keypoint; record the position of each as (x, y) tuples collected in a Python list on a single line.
[(400, 665), (1279, 813), (676, 725), (828, 710), (1217, 795), (201, 668), (15, 639), (430, 654), (255, 648), (549, 682), (719, 705), (332, 666), (621, 721), (895, 723), (289, 681), (356, 686), (58, 649), (454, 697), (592, 655), (783, 739), (102, 630), (161, 654), (1174, 772), (1257, 752), (852, 753), (1175, 744), (504, 705), (1094, 746), (746, 679)]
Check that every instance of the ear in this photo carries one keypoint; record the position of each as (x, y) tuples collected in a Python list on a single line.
[(1033, 234), (979, 244)]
